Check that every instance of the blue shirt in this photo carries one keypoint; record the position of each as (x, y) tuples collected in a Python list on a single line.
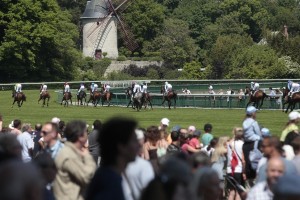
[(55, 148), (206, 138), (251, 130)]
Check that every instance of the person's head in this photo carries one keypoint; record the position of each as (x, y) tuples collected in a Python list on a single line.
[(200, 159), (38, 127), (271, 146), (294, 117), (183, 135), (251, 112), (191, 129), (26, 128), (166, 83), (118, 141), (61, 126), (206, 184), (46, 165), (97, 125), (55, 120), (270, 88), (17, 124), (76, 132), (164, 123), (252, 82), (287, 187), (296, 145), (10, 147), (153, 133), (275, 169), (174, 136), (238, 133), (207, 128), (50, 132)]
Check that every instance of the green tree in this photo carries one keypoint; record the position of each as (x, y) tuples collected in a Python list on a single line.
[(38, 42), (192, 70)]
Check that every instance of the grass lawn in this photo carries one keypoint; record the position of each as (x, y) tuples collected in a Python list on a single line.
[(223, 120)]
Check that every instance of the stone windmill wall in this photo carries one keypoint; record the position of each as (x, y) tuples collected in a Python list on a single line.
[(99, 30)]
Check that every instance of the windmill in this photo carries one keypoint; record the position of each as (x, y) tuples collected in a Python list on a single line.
[(100, 22)]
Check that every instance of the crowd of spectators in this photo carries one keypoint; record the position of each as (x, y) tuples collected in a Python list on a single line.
[(118, 160)]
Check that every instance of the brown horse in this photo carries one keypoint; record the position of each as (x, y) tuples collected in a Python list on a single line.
[(66, 98), (147, 100), (106, 97), (19, 98), (80, 97), (45, 95), (257, 98), (291, 100), (168, 97), (94, 97)]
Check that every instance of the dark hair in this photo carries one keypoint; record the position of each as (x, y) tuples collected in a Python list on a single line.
[(275, 142), (38, 127), (207, 127), (17, 123), (290, 137), (174, 135), (61, 125), (97, 125), (200, 159), (74, 130), (114, 132), (213, 143), (153, 133)]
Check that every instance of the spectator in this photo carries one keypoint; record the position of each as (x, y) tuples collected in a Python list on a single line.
[(26, 142), (184, 142), (209, 149), (264, 190), (164, 123), (272, 148), (235, 169), (50, 135), (75, 165), (93, 143), (194, 139), (1, 122), (207, 136), (287, 188), (119, 146), (296, 147), (10, 148), (252, 133), (174, 147), (16, 127), (291, 125), (36, 135), (191, 129), (137, 174), (61, 128), (200, 160)]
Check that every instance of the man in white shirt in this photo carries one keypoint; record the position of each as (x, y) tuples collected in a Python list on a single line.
[(26, 142)]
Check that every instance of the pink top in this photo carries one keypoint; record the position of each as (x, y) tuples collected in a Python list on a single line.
[(194, 142)]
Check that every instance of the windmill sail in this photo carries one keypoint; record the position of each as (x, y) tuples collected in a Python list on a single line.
[(127, 35)]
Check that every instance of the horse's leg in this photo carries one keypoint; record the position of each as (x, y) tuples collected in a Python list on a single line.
[(248, 104), (129, 103), (169, 104), (150, 104), (71, 101), (174, 102)]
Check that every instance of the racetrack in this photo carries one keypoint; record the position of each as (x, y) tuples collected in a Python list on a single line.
[(223, 120)]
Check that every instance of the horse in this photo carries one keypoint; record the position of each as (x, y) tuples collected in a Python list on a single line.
[(128, 93), (168, 97), (66, 98), (19, 98), (138, 101), (290, 100), (106, 96), (147, 100), (256, 98), (44, 95), (80, 97), (95, 98)]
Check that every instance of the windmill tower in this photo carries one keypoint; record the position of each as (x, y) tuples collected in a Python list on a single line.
[(100, 21)]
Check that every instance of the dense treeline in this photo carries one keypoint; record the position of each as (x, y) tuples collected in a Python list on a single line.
[(39, 40)]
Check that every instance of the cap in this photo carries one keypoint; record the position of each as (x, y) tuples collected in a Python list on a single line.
[(55, 120), (165, 121), (11, 125), (192, 128), (265, 132), (250, 110), (197, 133), (176, 128), (294, 115), (139, 134), (287, 186)]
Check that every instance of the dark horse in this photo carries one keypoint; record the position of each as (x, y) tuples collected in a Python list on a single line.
[(290, 100), (146, 98), (106, 96), (45, 95), (66, 98), (257, 98), (81, 96), (136, 102), (94, 97), (19, 98), (168, 97)]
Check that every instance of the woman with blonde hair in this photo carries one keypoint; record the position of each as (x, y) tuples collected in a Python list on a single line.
[(235, 162)]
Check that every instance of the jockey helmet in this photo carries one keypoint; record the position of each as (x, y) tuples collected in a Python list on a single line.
[(93, 83), (210, 87), (289, 81), (252, 82), (144, 83), (166, 82)]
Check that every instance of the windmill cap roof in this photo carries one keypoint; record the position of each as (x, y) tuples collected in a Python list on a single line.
[(95, 9)]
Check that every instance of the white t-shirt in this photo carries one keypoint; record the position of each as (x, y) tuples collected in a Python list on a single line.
[(236, 146), (26, 143)]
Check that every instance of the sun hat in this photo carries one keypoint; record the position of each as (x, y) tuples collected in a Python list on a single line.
[(265, 132), (192, 128), (55, 120), (165, 121), (139, 134), (294, 115), (176, 128), (250, 110)]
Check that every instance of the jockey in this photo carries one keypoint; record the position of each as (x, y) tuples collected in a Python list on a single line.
[(18, 88), (106, 88), (211, 90), (95, 88), (43, 88), (254, 86), (168, 87), (136, 89), (92, 87), (293, 87), (144, 88), (81, 88), (67, 87)]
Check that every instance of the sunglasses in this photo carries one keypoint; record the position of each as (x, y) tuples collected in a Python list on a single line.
[(46, 132)]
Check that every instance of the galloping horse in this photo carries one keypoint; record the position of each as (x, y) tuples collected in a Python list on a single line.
[(171, 95), (19, 98), (128, 93), (256, 98), (66, 98), (81, 96), (45, 95), (106, 96), (147, 100), (290, 100), (94, 97)]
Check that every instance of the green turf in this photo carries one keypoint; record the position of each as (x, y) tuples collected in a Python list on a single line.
[(223, 120)]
